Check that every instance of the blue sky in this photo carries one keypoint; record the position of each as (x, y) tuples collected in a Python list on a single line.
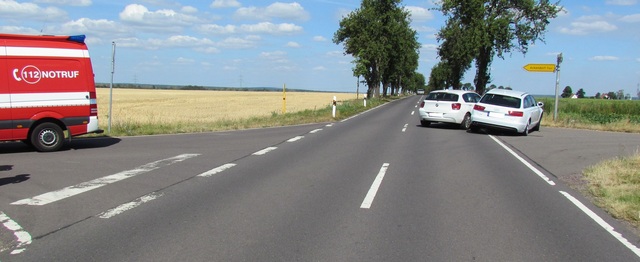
[(271, 43)]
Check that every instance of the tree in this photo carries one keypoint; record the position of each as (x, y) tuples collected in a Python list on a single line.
[(495, 27), (612, 95), (620, 94), (439, 75), (598, 95), (580, 93), (384, 47), (468, 86), (567, 92)]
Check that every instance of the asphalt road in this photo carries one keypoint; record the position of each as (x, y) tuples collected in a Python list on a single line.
[(377, 187)]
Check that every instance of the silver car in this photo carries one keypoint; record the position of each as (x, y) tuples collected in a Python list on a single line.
[(507, 110)]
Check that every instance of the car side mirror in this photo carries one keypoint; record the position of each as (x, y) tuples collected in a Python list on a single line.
[(540, 104)]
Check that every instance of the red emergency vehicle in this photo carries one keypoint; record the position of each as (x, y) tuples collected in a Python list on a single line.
[(47, 90)]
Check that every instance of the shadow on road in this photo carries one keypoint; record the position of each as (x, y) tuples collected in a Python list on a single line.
[(14, 180), (75, 144)]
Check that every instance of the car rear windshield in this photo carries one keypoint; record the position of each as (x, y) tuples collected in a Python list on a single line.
[(500, 100), (439, 96)]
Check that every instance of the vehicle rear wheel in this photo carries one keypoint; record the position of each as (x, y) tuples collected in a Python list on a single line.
[(425, 123), (47, 137), (537, 127), (466, 122), (526, 129)]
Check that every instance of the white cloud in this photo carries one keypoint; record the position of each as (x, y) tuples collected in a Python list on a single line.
[(140, 15), (430, 47), (293, 45), (65, 2), (277, 10), (270, 28), (587, 25), (621, 2), (319, 38), (217, 29), (319, 68), (13, 9), (604, 58), (238, 43), (189, 9), (225, 3), (635, 18), (184, 61), (419, 14), (18, 30)]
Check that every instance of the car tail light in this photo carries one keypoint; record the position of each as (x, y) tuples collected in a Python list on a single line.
[(456, 106), (516, 113), (478, 107), (422, 104), (93, 104)]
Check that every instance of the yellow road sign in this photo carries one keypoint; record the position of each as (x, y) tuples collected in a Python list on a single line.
[(550, 68)]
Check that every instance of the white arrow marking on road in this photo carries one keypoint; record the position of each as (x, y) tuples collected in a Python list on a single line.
[(100, 182)]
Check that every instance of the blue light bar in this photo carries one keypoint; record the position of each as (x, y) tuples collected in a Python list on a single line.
[(77, 38)]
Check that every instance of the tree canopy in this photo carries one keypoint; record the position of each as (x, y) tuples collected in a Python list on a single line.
[(384, 47), (478, 30)]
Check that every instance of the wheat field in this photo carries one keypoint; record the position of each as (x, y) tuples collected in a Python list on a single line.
[(149, 106)]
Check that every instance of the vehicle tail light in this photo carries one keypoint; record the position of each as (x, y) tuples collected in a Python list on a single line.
[(516, 113), (93, 104), (456, 106), (478, 107), (422, 104)]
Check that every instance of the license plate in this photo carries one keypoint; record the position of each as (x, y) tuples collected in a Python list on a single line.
[(495, 114), (435, 114)]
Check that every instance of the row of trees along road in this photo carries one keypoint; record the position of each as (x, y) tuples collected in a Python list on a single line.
[(478, 30), (385, 49)]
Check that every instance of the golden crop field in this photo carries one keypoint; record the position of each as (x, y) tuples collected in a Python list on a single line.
[(147, 106)]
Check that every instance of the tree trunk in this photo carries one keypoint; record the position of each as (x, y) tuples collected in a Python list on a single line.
[(483, 61)]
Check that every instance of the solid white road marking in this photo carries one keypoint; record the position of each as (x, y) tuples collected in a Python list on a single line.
[(128, 206), (329, 125), (413, 112), (535, 170), (264, 151), (368, 200), (405, 128), (295, 139), (315, 131), (217, 170), (23, 237), (602, 223), (100, 182)]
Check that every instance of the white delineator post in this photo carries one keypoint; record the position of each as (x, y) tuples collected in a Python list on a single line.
[(334, 107), (365, 100)]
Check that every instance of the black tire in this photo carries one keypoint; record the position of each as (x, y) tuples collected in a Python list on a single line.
[(526, 129), (466, 122), (537, 127), (425, 123), (474, 129), (47, 137)]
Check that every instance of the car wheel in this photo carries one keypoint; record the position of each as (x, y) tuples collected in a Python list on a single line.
[(425, 123), (47, 137), (526, 129), (466, 122), (537, 127)]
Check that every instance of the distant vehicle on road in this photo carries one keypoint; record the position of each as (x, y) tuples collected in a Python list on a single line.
[(507, 110), (420, 92), (448, 106)]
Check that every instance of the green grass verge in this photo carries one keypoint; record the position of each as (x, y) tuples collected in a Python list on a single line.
[(615, 186)]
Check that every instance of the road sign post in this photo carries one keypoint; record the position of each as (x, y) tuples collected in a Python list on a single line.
[(555, 109), (549, 68)]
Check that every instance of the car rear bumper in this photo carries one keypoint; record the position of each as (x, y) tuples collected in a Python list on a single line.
[(505, 124)]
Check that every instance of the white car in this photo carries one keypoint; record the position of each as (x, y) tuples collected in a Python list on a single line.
[(448, 106), (509, 110)]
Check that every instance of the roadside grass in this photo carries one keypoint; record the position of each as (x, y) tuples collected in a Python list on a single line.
[(593, 114), (615, 186)]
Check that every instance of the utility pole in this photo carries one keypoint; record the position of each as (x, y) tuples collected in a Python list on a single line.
[(555, 110)]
